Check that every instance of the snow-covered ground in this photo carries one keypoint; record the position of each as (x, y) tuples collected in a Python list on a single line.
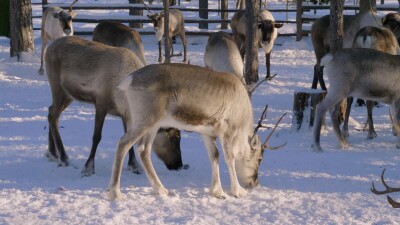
[(297, 185)]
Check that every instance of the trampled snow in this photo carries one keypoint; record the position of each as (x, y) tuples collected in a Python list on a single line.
[(297, 185)]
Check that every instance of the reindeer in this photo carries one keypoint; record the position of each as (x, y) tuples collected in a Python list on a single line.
[(56, 23), (119, 35), (381, 39), (320, 36), (392, 22), (192, 98), (267, 33), (176, 26), (222, 54), (90, 71), (363, 73)]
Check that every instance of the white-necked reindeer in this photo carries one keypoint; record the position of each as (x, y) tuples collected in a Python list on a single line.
[(176, 26), (90, 72), (364, 73), (381, 39), (267, 33), (392, 22), (56, 23), (222, 54), (192, 98), (119, 35)]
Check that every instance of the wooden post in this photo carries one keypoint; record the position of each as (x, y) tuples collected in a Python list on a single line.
[(203, 13), (299, 22), (135, 12), (44, 2), (304, 107)]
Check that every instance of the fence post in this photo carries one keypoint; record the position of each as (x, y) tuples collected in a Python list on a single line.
[(224, 14), (135, 12), (44, 2), (203, 13), (299, 22)]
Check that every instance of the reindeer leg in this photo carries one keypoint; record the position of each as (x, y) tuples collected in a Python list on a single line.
[(51, 153), (60, 103), (370, 123), (321, 78), (159, 52), (184, 43), (345, 128), (133, 164), (395, 107), (336, 125), (100, 116), (124, 144), (227, 147), (213, 154), (144, 149), (41, 70), (315, 77), (268, 64)]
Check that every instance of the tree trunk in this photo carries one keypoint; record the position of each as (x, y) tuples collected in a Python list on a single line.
[(166, 33), (367, 5), (21, 30), (203, 13), (336, 23), (224, 15), (251, 67)]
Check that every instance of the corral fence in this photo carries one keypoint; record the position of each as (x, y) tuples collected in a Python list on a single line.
[(301, 15)]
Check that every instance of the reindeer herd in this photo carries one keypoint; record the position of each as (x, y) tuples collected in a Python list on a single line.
[(156, 101)]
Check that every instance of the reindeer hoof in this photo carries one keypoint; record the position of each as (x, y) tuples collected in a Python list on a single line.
[(239, 192), (63, 164), (114, 194), (371, 135), (41, 71), (87, 172), (51, 157), (162, 191), (316, 147), (135, 169)]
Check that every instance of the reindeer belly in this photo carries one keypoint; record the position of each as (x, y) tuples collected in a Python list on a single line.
[(81, 90)]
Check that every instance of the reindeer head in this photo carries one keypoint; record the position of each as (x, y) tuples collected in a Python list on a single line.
[(392, 22), (65, 18), (247, 166), (158, 23), (266, 28)]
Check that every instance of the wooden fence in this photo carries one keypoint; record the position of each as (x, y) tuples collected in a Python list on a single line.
[(306, 13)]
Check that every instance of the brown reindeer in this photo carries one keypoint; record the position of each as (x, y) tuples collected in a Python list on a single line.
[(88, 71)]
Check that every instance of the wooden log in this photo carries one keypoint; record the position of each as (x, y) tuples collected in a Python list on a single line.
[(304, 107)]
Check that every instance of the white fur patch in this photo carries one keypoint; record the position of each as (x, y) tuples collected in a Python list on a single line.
[(125, 83), (326, 59), (159, 34)]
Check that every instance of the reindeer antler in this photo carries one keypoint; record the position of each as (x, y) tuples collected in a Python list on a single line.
[(265, 145), (146, 7), (70, 7), (388, 189)]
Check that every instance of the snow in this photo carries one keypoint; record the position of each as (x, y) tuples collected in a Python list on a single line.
[(297, 185)]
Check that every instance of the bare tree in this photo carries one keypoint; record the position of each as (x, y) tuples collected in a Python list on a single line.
[(251, 69), (21, 30), (166, 32)]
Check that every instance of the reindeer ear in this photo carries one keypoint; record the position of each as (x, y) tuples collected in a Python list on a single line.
[(73, 14), (278, 25), (255, 142)]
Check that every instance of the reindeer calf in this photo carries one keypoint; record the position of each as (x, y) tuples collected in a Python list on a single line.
[(363, 73), (176, 26), (56, 23)]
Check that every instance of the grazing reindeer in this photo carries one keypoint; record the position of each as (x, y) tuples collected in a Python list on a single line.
[(118, 35), (267, 33), (56, 23), (89, 72), (176, 26), (222, 54), (381, 39), (363, 73), (192, 98), (320, 36)]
